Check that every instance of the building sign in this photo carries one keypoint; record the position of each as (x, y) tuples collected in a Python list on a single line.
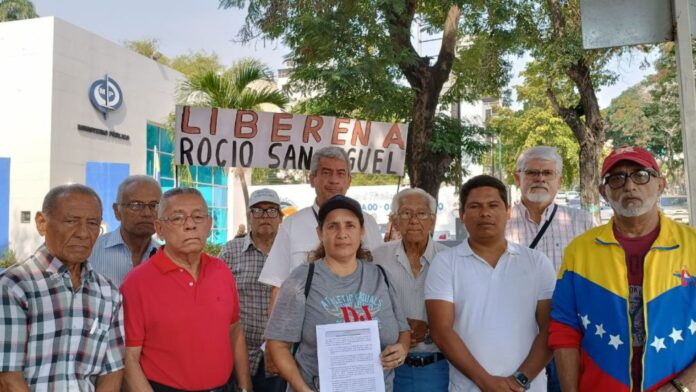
[(105, 95), (102, 132), (244, 138)]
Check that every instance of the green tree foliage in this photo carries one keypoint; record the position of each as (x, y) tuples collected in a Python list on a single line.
[(535, 126), (572, 75), (244, 85), (537, 123), (148, 48), (16, 10), (357, 59), (196, 63), (648, 115), (188, 64), (462, 141)]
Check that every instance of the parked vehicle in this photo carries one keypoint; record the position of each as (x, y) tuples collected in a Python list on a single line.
[(675, 207)]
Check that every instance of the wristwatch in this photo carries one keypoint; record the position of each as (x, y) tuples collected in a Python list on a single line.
[(522, 379)]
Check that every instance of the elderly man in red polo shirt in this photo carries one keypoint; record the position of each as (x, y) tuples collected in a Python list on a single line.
[(181, 308)]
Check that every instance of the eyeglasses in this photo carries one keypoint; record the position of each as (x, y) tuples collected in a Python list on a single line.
[(136, 206), (639, 177), (539, 173), (180, 219), (421, 215), (260, 212)]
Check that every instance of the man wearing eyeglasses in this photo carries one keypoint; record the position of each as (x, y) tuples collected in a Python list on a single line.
[(536, 221), (623, 309), (117, 252), (539, 176), (407, 262), (245, 256), (181, 308)]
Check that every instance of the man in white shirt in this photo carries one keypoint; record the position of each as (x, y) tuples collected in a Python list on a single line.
[(406, 262), (329, 176), (488, 299)]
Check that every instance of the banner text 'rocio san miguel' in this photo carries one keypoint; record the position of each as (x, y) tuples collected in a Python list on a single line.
[(244, 138)]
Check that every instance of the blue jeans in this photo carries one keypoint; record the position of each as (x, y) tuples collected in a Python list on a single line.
[(552, 383), (431, 378)]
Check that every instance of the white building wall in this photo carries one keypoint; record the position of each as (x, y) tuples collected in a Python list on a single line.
[(25, 109), (148, 88), (46, 70)]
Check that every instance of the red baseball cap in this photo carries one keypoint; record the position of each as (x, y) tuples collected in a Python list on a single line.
[(635, 154)]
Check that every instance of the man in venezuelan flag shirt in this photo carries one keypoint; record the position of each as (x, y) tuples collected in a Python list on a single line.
[(624, 309)]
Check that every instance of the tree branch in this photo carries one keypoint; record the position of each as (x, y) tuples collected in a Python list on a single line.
[(399, 26), (579, 73), (445, 58), (569, 116), (556, 15)]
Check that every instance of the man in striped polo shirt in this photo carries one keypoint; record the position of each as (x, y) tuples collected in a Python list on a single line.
[(117, 252), (539, 223)]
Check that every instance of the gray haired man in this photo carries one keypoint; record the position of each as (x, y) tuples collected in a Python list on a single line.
[(539, 176), (537, 221), (62, 323), (329, 176), (117, 252)]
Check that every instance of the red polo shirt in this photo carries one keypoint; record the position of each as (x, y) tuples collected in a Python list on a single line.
[(182, 324)]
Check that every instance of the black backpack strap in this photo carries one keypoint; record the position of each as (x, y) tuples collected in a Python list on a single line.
[(384, 273), (543, 228), (308, 282), (307, 287)]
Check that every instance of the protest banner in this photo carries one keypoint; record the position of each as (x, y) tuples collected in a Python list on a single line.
[(245, 138)]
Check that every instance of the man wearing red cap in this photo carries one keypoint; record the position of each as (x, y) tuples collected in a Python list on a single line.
[(624, 308)]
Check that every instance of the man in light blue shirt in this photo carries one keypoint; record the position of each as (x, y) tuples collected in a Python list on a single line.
[(116, 253)]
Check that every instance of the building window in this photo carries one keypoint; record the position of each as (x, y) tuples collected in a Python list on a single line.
[(210, 181)]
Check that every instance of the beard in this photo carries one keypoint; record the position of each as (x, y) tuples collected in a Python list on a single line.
[(538, 196), (632, 211)]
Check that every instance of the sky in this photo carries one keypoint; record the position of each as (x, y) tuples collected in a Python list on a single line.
[(186, 26), (180, 26)]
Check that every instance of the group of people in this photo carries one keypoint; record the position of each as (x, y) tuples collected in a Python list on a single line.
[(614, 305)]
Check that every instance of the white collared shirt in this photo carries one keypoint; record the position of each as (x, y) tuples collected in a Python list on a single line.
[(567, 224), (409, 290), (494, 308), (296, 238)]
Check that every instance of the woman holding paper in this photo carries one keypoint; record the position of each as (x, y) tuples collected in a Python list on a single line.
[(341, 285)]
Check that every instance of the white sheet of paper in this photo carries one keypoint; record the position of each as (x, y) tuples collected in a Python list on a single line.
[(349, 357)]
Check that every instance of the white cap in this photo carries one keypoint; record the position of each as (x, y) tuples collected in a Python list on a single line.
[(264, 195)]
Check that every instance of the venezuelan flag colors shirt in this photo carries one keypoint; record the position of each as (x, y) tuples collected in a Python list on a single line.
[(591, 307)]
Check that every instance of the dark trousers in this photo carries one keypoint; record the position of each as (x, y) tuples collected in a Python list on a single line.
[(267, 384), (552, 383), (263, 383)]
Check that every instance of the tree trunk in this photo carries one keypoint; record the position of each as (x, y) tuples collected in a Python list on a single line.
[(590, 175), (425, 168), (240, 173), (585, 119)]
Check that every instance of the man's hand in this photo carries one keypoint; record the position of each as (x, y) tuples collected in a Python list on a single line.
[(501, 384), (419, 329), (271, 367)]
